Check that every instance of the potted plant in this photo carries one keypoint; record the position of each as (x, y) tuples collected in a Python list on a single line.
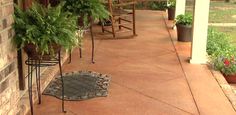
[(222, 54), (42, 31), (87, 10), (171, 9), (227, 66), (225, 62), (184, 27)]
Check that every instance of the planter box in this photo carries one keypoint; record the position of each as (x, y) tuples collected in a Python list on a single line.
[(230, 78), (32, 53)]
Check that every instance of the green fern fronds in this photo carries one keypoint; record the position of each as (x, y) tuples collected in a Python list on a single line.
[(45, 25)]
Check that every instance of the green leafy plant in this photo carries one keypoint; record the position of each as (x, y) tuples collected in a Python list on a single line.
[(221, 52), (217, 42), (171, 3), (184, 19), (86, 9), (225, 62), (43, 26), (157, 5)]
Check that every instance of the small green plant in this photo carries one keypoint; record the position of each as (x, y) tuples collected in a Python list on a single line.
[(221, 52), (139, 5), (225, 62), (43, 26), (217, 42), (157, 5), (171, 3), (86, 9), (184, 19)]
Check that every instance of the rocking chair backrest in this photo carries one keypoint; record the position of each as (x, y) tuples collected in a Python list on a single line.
[(118, 12)]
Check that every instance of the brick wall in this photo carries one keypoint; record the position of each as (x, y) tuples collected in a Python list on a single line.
[(14, 101), (9, 88)]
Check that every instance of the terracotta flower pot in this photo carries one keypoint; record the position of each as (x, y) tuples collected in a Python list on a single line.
[(171, 13), (230, 78), (33, 53)]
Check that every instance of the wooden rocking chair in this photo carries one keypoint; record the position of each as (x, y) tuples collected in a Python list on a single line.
[(121, 17)]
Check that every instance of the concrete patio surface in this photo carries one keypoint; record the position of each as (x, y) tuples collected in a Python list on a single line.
[(150, 75)]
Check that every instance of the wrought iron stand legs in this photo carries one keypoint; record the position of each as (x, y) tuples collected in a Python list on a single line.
[(62, 83), (91, 32), (30, 68), (93, 46), (70, 56), (30, 79), (80, 52), (36, 64), (38, 80)]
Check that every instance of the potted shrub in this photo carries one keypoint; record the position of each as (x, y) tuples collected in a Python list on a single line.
[(42, 31), (222, 54), (225, 62), (87, 10), (227, 66), (184, 27), (171, 9)]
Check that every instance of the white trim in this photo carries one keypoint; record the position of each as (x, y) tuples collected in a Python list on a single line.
[(198, 61)]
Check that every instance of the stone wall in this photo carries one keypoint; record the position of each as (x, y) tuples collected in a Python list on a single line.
[(9, 85)]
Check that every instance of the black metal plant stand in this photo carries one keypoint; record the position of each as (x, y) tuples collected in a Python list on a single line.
[(91, 32), (36, 64), (93, 46)]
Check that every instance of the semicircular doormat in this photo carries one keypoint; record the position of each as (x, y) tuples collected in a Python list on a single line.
[(80, 85)]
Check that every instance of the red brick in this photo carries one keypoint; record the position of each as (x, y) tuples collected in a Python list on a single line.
[(0, 12), (4, 36), (10, 21), (7, 10), (6, 1), (4, 85), (4, 23)]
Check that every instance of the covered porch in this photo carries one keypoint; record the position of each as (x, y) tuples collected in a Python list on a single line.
[(150, 74)]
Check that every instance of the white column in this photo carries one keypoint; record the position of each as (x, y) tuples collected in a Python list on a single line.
[(180, 7), (200, 26)]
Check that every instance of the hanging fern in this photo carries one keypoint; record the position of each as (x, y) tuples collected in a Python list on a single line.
[(87, 8), (45, 25)]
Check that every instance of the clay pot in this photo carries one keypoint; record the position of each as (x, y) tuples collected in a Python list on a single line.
[(171, 13), (34, 54), (184, 32), (230, 78)]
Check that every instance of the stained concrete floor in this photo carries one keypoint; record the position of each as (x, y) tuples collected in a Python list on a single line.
[(150, 75)]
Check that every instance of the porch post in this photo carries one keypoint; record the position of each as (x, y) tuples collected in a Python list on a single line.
[(180, 7), (200, 26)]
